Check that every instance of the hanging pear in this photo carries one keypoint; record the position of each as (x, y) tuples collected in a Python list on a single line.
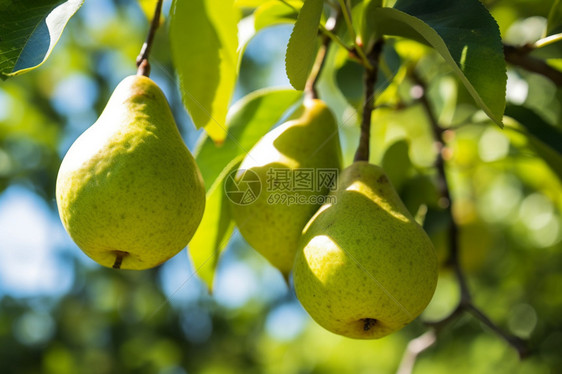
[(364, 267), (129, 192), (295, 165)]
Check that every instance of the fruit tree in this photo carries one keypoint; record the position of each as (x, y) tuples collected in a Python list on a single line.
[(280, 186)]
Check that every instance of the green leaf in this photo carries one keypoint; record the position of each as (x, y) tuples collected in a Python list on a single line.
[(215, 228), (275, 12), (554, 25), (465, 34), (548, 51), (203, 35), (29, 30), (248, 120), (302, 47), (396, 162), (367, 29), (544, 138), (249, 3)]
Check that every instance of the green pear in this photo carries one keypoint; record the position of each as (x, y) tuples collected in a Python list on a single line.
[(129, 192), (293, 165), (364, 267)]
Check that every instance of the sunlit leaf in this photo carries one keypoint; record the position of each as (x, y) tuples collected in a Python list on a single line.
[(301, 50), (248, 120), (215, 228), (249, 3), (275, 12), (465, 34), (29, 30), (204, 44)]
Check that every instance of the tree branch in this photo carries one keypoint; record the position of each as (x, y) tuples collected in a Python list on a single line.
[(362, 153), (142, 59), (444, 192), (519, 344), (466, 303), (519, 56), (415, 347)]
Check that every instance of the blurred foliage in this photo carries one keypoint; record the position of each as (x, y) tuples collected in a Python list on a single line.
[(507, 202)]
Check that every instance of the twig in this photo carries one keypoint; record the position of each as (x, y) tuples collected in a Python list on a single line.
[(551, 39), (466, 303), (327, 32), (142, 59), (519, 56), (357, 49), (310, 86), (519, 344), (440, 324), (415, 347), (362, 153), (443, 186)]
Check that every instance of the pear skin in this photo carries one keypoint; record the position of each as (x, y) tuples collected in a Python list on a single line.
[(272, 224), (129, 192), (364, 267)]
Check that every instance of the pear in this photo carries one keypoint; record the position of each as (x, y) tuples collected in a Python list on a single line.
[(294, 165), (364, 267), (129, 192)]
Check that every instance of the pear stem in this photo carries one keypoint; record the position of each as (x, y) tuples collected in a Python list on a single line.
[(466, 304), (370, 79), (142, 59), (310, 90), (357, 49)]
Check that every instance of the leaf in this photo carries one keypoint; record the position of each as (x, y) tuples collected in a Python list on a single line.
[(215, 228), (249, 3), (396, 162), (275, 12), (301, 50), (29, 30), (544, 138), (554, 25), (465, 34), (248, 120), (203, 35), (367, 29), (548, 51)]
